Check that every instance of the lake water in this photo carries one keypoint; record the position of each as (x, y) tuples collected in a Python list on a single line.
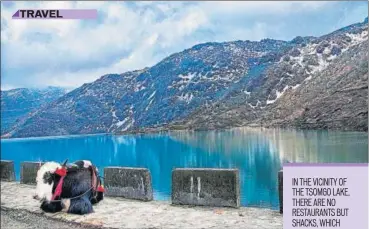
[(257, 153)]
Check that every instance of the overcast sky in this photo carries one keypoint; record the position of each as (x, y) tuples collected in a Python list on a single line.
[(133, 35)]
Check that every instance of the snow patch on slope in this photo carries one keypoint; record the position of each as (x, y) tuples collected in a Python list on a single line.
[(114, 115), (321, 66), (358, 38), (188, 77), (139, 87), (186, 97), (152, 95), (120, 123), (278, 94), (148, 106), (253, 107)]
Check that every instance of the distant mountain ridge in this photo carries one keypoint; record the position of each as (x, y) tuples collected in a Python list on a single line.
[(16, 104), (220, 85)]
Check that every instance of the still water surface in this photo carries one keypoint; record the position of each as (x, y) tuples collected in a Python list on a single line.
[(257, 153)]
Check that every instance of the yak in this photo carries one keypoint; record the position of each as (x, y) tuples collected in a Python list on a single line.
[(71, 188)]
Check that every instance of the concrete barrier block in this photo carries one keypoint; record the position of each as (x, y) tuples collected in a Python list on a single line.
[(29, 172), (7, 170), (280, 190), (130, 183), (206, 187)]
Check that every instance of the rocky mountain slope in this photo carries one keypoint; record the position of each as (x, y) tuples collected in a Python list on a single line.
[(336, 98), (168, 91), (320, 83), (219, 85), (16, 104)]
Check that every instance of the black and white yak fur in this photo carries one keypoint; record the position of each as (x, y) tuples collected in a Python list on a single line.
[(76, 184)]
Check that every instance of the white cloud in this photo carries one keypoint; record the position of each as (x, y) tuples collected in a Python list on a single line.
[(130, 35), (262, 7)]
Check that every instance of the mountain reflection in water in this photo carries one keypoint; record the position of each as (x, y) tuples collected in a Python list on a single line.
[(257, 153)]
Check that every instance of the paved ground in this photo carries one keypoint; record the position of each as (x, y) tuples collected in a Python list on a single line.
[(17, 219), (121, 213)]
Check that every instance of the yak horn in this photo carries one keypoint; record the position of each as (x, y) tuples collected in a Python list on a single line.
[(65, 163)]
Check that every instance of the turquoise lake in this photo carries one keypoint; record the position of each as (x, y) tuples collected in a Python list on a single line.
[(257, 153)]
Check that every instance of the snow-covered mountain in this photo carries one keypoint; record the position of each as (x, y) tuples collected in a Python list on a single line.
[(211, 85), (306, 88)]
